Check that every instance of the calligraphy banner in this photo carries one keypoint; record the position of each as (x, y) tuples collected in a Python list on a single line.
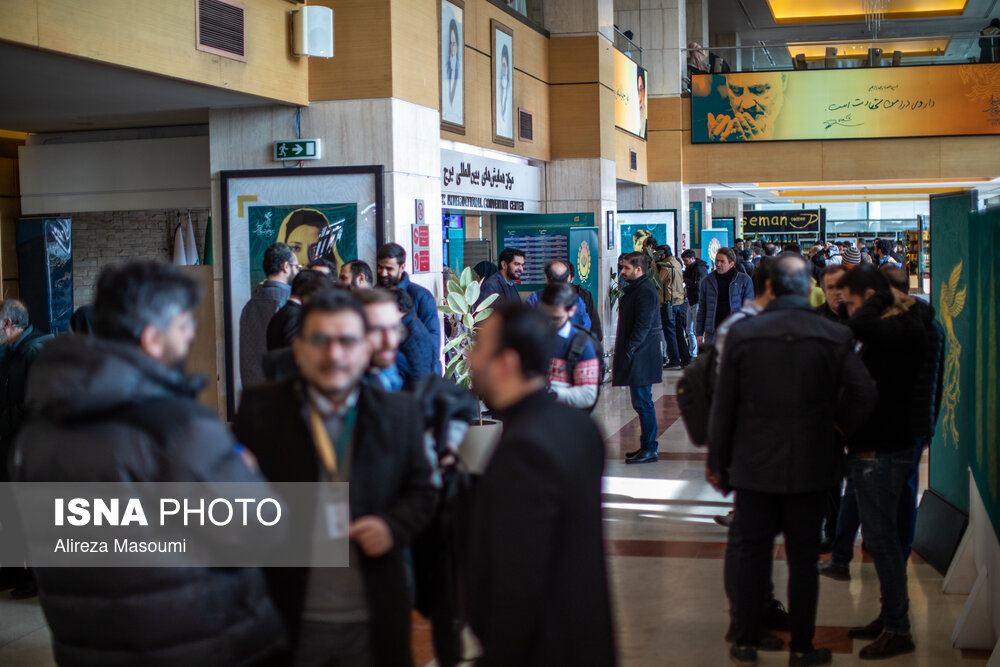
[(862, 103), (584, 252)]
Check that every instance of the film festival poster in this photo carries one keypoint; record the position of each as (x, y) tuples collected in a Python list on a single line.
[(503, 83), (452, 66), (313, 231)]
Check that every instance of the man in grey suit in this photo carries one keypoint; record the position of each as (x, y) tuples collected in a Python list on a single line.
[(280, 266)]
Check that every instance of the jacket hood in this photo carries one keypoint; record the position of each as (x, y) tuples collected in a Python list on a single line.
[(76, 376)]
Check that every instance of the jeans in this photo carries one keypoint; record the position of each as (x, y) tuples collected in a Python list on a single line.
[(692, 317), (879, 483), (906, 520), (848, 523), (669, 332), (761, 517), (642, 403), (731, 569)]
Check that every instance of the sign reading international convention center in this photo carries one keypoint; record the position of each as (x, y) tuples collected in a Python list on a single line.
[(861, 103), (784, 222), (472, 182)]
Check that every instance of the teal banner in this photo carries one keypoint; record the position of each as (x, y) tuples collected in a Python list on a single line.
[(696, 216), (584, 249), (634, 235), (712, 240), (542, 237)]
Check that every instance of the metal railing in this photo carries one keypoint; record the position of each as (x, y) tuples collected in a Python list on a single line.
[(624, 43)]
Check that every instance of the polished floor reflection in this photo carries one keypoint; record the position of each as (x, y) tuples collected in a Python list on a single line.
[(665, 554)]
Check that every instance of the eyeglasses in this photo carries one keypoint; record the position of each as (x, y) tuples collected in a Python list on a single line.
[(322, 341)]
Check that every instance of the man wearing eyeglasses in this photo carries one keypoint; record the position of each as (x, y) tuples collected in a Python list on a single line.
[(332, 427), (385, 333)]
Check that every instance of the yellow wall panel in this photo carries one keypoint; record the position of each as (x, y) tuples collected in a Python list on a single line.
[(362, 64), (20, 21), (624, 143), (415, 62), (531, 48), (665, 155), (576, 127), (666, 113), (607, 123), (970, 157), (574, 59)]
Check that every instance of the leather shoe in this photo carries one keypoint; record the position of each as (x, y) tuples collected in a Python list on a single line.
[(775, 616), (888, 645), (835, 571), (815, 658), (644, 456), (870, 631), (632, 455), (743, 656), (767, 641)]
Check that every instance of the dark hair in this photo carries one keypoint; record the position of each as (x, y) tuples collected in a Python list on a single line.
[(559, 294), (572, 270), (639, 259), (275, 257), (392, 251), (132, 296), (770, 249), (403, 300), (305, 218), (528, 333), (81, 321), (995, 23), (322, 261), (453, 30), (329, 302), (831, 269), (507, 255), (688, 254), (667, 251), (728, 252), (793, 248), (884, 246), (309, 281), (862, 278), (551, 275), (15, 311), (648, 241), (737, 241), (370, 297), (756, 247), (359, 267), (761, 274), (505, 55), (897, 277), (790, 276)]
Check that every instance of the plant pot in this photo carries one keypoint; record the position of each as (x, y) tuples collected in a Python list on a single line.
[(477, 447)]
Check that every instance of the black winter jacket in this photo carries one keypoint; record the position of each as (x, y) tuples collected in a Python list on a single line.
[(693, 275), (787, 378), (638, 359), (930, 380), (78, 390), (15, 361)]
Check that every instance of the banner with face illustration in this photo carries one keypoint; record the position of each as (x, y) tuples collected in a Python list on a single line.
[(860, 103), (312, 231)]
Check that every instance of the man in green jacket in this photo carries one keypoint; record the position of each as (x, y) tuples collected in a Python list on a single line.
[(20, 344)]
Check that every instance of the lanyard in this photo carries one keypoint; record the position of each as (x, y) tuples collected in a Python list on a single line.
[(321, 438)]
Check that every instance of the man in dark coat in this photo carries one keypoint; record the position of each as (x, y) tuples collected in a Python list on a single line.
[(695, 270), (638, 363), (20, 344), (788, 381), (502, 282), (537, 585), (280, 267), (114, 408), (416, 357), (285, 324), (359, 613), (391, 269)]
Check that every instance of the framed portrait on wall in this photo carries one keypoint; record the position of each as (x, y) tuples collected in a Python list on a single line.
[(333, 213), (503, 83), (452, 50)]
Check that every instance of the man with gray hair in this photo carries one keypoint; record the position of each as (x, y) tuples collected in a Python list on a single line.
[(20, 344), (789, 385)]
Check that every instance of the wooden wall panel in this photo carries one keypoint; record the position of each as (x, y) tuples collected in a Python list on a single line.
[(875, 159), (575, 59), (531, 48), (576, 126), (10, 210), (159, 37), (624, 143), (666, 113), (970, 157), (362, 64), (665, 155), (415, 62), (20, 22)]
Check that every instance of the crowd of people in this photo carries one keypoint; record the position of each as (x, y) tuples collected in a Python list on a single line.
[(341, 382)]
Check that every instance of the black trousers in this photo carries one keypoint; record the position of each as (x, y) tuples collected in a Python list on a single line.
[(761, 517)]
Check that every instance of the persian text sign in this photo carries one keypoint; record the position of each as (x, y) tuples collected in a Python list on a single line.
[(473, 182), (880, 102)]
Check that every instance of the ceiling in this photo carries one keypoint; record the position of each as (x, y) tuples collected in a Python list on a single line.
[(46, 92), (837, 23)]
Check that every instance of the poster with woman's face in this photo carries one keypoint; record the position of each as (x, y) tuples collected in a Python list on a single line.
[(452, 66), (503, 84)]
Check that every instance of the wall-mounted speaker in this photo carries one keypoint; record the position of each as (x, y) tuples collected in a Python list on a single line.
[(312, 32)]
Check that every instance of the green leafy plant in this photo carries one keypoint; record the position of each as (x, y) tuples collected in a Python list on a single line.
[(466, 316)]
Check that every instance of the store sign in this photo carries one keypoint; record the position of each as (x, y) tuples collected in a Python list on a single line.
[(859, 103), (782, 222), (479, 183)]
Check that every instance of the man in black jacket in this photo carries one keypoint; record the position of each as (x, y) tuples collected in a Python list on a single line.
[(285, 323), (334, 428), (788, 381), (114, 408), (889, 327), (695, 270), (511, 263), (280, 266), (537, 589), (638, 361)]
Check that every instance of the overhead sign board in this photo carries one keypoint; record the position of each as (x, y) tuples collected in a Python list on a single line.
[(471, 182), (297, 149), (784, 222)]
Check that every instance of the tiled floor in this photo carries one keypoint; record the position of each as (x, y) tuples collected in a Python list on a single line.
[(665, 555)]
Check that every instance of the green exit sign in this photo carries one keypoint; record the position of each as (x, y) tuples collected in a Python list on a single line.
[(299, 149)]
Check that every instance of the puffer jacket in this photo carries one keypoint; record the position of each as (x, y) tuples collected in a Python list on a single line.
[(79, 393), (930, 379), (740, 289)]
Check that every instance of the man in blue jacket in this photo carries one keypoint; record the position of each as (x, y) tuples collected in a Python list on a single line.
[(727, 282), (391, 259)]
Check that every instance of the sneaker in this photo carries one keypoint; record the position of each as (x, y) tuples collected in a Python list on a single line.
[(775, 615), (888, 645), (724, 519), (743, 656), (835, 571), (871, 631), (671, 367), (819, 656)]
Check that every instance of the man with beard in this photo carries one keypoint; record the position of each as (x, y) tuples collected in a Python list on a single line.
[(391, 267), (357, 273), (511, 263), (385, 332), (537, 588), (755, 102)]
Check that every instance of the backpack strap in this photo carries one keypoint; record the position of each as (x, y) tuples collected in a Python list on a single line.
[(576, 347)]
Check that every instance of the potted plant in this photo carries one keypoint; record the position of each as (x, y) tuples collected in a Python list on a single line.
[(460, 305)]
